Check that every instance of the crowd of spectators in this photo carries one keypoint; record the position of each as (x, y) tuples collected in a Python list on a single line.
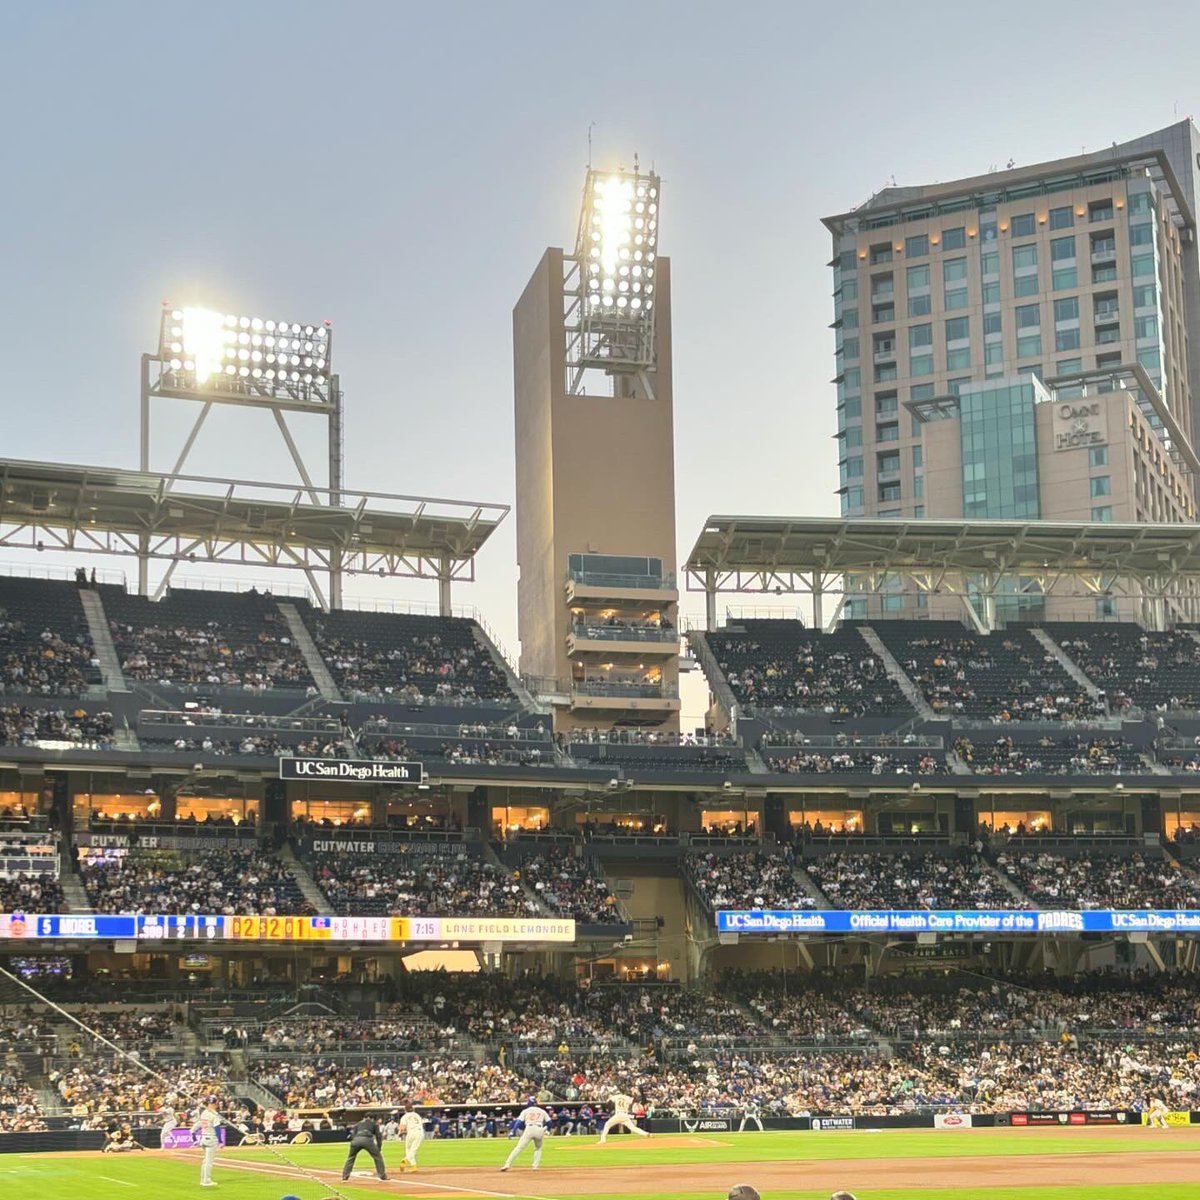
[(459, 885), (44, 665), (260, 745), (25, 892), (1156, 671), (1077, 754), (136, 1029), (749, 880), (98, 1085), (1100, 880), (858, 762), (910, 880), (242, 882), (26, 726), (571, 886), (406, 1033), (20, 1111)]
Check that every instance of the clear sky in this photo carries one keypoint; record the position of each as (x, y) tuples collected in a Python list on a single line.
[(398, 169)]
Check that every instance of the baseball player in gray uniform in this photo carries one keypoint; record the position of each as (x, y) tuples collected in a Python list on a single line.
[(205, 1134), (536, 1120)]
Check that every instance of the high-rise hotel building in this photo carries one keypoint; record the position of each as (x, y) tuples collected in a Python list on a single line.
[(1016, 345)]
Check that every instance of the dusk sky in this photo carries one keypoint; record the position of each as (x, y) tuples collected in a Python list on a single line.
[(399, 168)]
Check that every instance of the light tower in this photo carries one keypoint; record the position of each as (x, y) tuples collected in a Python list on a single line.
[(209, 358), (597, 600)]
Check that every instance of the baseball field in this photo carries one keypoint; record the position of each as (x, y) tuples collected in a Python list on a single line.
[(1009, 1164)]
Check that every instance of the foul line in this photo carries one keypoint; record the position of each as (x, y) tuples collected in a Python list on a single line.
[(122, 1182)]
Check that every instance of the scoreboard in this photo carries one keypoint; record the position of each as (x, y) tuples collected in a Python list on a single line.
[(191, 927)]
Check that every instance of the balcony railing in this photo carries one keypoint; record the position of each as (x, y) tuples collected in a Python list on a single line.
[(626, 689), (604, 579), (625, 633), (1104, 253)]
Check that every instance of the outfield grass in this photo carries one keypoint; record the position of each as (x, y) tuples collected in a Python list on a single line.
[(152, 1176)]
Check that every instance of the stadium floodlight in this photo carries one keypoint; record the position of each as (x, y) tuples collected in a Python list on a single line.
[(201, 350), (611, 284)]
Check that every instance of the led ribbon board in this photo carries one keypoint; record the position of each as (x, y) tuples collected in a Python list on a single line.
[(998, 921)]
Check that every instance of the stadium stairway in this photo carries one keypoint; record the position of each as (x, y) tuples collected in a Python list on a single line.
[(528, 701), (912, 693), (1009, 886), (106, 652), (305, 882), (308, 648), (1067, 663), (73, 891), (805, 880)]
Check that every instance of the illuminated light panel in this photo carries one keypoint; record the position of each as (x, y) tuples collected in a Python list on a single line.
[(209, 348), (619, 243)]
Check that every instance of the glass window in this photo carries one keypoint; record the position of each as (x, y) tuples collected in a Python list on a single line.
[(987, 231), (1149, 359), (1102, 512), (1104, 273), (917, 277), (918, 457), (989, 262), (993, 355), (1143, 266), (855, 497), (854, 467), (850, 347), (958, 360), (1097, 456), (958, 328), (850, 289), (1069, 366), (852, 439), (887, 404), (1025, 285), (853, 379), (920, 306), (1029, 316), (954, 386), (1062, 248), (1100, 210), (1141, 234), (920, 335), (850, 318), (1067, 309), (1029, 347), (916, 245), (1062, 218), (921, 391), (852, 408), (1023, 225), (954, 239), (1025, 256), (1066, 339), (881, 254), (921, 364), (1064, 277), (956, 298), (1140, 202), (1144, 297), (919, 486), (1101, 485), (889, 462), (991, 322), (887, 433), (991, 293), (889, 492), (954, 269), (1144, 327)]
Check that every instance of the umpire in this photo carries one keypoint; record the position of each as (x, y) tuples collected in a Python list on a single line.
[(365, 1136)]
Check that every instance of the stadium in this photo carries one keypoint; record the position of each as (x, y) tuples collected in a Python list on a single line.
[(914, 912)]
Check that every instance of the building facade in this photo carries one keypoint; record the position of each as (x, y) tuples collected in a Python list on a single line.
[(1016, 345)]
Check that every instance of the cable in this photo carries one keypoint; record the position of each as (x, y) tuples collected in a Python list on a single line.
[(311, 1176)]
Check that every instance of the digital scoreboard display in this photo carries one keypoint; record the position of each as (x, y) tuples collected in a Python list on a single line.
[(990, 921)]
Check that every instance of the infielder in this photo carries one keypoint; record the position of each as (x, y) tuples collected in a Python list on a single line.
[(204, 1132), (621, 1105), (751, 1111), (169, 1125), (1156, 1114), (412, 1125), (365, 1136), (535, 1119)]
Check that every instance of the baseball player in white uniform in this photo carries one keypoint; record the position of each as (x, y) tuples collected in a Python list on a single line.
[(1156, 1114), (412, 1126), (621, 1105), (751, 1111), (205, 1133), (536, 1120), (169, 1125)]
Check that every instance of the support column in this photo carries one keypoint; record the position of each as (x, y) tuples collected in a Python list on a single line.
[(444, 607), (335, 485), (818, 594), (144, 466), (710, 600)]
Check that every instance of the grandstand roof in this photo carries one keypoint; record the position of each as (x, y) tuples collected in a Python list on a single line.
[(775, 553), (57, 506)]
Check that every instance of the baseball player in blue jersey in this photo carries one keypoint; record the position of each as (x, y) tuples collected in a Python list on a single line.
[(536, 1120)]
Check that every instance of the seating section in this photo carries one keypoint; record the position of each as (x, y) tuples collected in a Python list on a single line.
[(20, 1111), (387, 656), (1078, 754), (45, 647), (205, 639), (748, 880), (56, 727), (781, 664), (1101, 880), (1154, 671), (441, 885), (911, 880), (801, 760), (242, 881), (1005, 676), (30, 892), (99, 1086), (571, 886), (668, 758)]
